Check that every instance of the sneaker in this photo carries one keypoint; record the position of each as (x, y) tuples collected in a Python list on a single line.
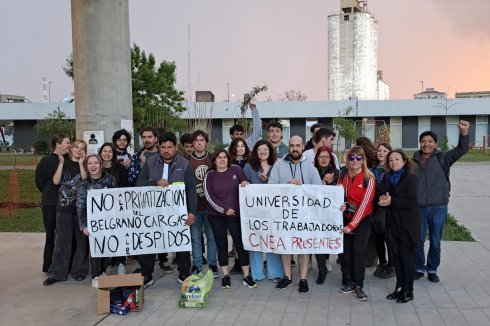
[(167, 268), (284, 283), (321, 278), (303, 287), (237, 268), (214, 269), (329, 266), (226, 282), (148, 281), (121, 269), (204, 260), (95, 282), (348, 288), (359, 293), (182, 277), (195, 270), (433, 277), (418, 275), (49, 281), (248, 281), (387, 273), (277, 279), (379, 270), (293, 263)]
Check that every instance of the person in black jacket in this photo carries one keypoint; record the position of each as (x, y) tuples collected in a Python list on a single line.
[(44, 181), (399, 189)]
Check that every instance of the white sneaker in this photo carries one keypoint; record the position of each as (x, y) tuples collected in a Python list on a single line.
[(121, 269), (95, 282), (329, 266)]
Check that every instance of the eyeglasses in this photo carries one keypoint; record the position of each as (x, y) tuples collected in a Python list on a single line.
[(323, 157), (122, 140), (355, 157)]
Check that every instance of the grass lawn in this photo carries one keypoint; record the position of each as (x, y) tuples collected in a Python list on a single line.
[(455, 231), (18, 159), (22, 220)]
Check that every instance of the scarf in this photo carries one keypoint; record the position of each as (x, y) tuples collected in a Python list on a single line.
[(396, 176)]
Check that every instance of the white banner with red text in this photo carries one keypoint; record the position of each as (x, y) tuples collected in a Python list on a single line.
[(135, 221), (291, 219)]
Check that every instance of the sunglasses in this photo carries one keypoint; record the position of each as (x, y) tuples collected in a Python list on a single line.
[(355, 157)]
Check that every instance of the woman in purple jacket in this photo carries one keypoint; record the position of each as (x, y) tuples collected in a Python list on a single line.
[(221, 191)]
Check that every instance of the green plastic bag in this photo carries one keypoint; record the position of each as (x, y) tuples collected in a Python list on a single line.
[(195, 290)]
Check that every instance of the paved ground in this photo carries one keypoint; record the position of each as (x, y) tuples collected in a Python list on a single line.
[(461, 298)]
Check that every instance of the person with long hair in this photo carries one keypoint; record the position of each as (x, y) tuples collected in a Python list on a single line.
[(399, 190), (258, 170), (68, 176), (113, 167), (385, 268), (359, 186), (221, 191), (329, 175), (97, 178), (239, 151), (369, 150)]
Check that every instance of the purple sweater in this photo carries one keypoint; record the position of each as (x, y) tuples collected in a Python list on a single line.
[(221, 190)]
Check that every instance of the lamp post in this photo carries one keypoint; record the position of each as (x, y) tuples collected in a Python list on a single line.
[(422, 82), (49, 91), (228, 88)]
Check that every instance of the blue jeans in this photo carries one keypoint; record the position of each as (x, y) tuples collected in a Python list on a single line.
[(433, 218), (274, 265), (196, 234)]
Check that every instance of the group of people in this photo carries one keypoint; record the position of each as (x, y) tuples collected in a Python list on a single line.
[(415, 191)]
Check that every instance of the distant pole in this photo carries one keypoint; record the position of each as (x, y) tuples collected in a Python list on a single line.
[(422, 82), (228, 87), (49, 91)]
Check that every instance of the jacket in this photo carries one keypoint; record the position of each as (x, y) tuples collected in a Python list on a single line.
[(107, 181), (404, 211), (359, 192), (179, 171), (44, 179), (284, 170), (434, 185)]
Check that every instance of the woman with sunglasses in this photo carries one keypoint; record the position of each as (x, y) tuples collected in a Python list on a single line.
[(329, 175), (359, 186), (258, 170), (399, 190)]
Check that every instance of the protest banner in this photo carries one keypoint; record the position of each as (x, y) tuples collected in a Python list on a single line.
[(135, 221), (291, 219)]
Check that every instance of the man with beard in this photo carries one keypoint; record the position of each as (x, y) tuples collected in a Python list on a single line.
[(121, 139), (163, 170), (294, 169), (150, 138)]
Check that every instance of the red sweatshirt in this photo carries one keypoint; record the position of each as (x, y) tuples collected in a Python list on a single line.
[(360, 196)]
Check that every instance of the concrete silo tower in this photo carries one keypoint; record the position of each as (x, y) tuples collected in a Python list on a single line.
[(352, 54)]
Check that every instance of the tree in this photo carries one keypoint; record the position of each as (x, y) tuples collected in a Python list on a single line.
[(293, 96), (56, 123), (344, 127), (156, 101)]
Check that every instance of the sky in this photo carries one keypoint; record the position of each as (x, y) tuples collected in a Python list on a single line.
[(280, 43)]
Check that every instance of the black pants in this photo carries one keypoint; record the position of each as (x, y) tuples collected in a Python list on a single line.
[(404, 262), (321, 260), (220, 225), (49, 220), (66, 228), (354, 258), (98, 266), (382, 248), (183, 258)]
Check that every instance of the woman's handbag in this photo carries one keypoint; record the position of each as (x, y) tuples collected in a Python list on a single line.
[(379, 219)]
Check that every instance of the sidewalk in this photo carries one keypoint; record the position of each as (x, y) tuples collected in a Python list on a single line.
[(461, 298)]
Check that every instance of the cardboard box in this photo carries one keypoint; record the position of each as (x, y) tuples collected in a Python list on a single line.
[(108, 282)]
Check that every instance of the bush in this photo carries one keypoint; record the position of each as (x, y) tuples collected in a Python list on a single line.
[(41, 147)]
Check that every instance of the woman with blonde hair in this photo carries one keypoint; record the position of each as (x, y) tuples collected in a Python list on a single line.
[(359, 186)]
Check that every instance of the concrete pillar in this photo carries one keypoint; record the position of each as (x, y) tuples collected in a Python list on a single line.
[(102, 65)]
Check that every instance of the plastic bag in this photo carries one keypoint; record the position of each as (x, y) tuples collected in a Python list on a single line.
[(195, 290)]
